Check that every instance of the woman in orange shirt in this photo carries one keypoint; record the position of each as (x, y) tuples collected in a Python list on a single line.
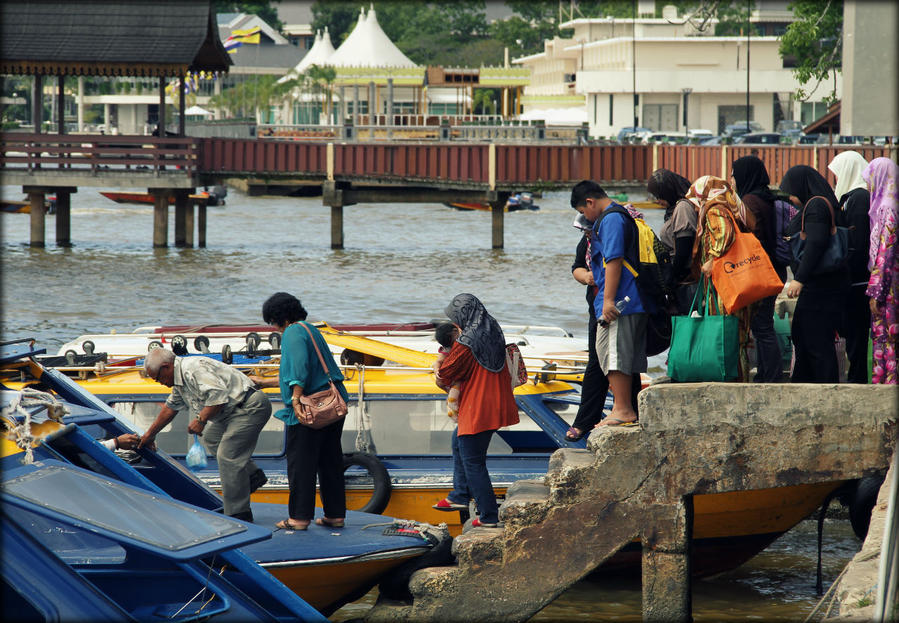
[(477, 362)]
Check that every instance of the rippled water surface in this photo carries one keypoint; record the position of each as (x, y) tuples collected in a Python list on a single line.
[(401, 263)]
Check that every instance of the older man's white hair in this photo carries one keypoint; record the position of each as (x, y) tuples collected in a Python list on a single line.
[(157, 358)]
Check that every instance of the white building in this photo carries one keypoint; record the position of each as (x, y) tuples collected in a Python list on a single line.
[(656, 68)]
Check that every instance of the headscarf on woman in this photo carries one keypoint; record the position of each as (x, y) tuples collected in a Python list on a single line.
[(480, 331), (668, 185), (848, 167), (880, 176), (751, 177), (709, 191), (803, 182)]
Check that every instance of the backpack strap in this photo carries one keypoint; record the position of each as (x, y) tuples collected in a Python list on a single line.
[(632, 243)]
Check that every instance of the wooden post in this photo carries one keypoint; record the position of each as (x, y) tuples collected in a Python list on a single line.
[(63, 219), (181, 207), (336, 226), (37, 218), (181, 107), (160, 218), (160, 122), (497, 207), (201, 224), (61, 105), (667, 580), (189, 224), (37, 104)]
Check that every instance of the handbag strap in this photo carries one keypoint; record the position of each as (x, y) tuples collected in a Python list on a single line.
[(833, 220), (318, 352)]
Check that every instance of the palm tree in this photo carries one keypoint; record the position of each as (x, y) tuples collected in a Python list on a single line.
[(322, 80)]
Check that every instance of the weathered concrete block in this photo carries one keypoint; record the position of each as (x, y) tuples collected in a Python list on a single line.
[(526, 502), (666, 587), (478, 547), (693, 440)]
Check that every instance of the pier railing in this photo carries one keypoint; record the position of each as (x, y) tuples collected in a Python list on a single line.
[(94, 153)]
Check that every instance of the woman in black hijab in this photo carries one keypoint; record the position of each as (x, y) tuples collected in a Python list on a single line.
[(821, 295), (679, 230), (751, 181)]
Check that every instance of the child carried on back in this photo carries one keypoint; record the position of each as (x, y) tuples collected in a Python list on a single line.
[(446, 335)]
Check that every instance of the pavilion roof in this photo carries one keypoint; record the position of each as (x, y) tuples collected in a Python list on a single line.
[(109, 38)]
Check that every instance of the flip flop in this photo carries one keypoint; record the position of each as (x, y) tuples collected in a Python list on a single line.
[(573, 435), (614, 421), (285, 524), (329, 523)]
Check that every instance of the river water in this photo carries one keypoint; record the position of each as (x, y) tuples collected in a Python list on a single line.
[(401, 263)]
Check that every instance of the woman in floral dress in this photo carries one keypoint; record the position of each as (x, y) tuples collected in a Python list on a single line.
[(883, 286)]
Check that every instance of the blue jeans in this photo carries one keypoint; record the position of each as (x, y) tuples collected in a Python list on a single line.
[(470, 476)]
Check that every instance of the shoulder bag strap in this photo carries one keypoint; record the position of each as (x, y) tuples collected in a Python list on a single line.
[(318, 352), (833, 221)]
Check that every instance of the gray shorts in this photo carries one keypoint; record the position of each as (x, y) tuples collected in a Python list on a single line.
[(621, 346)]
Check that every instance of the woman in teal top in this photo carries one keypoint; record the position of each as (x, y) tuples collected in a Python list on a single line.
[(310, 452)]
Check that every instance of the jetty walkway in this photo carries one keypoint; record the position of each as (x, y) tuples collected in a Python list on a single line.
[(347, 173), (632, 483)]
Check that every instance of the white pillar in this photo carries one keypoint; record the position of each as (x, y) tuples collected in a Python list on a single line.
[(106, 118)]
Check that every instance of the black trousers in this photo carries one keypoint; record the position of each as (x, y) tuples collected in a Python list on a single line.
[(813, 332), (856, 331), (312, 453), (595, 387)]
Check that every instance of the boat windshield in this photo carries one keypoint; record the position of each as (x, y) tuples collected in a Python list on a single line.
[(111, 507)]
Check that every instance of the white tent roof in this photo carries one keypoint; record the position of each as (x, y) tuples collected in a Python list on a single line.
[(318, 54), (368, 46)]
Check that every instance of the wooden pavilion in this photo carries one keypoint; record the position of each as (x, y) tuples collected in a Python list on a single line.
[(163, 39)]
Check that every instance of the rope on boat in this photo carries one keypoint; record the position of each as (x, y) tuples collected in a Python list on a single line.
[(831, 592), (364, 442), (19, 405)]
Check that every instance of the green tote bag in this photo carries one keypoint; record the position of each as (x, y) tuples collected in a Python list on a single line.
[(704, 347)]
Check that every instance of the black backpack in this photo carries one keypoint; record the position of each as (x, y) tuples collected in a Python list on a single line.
[(650, 263)]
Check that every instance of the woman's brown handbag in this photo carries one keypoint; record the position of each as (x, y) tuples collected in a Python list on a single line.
[(325, 407)]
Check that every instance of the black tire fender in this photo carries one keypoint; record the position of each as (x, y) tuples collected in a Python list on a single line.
[(380, 497), (863, 502)]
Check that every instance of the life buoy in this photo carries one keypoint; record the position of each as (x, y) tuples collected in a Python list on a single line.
[(380, 479)]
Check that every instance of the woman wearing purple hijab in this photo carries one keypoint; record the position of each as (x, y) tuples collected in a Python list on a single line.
[(883, 286)]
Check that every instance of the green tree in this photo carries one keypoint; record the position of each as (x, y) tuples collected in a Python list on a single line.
[(338, 15), (524, 32), (261, 8), (815, 40)]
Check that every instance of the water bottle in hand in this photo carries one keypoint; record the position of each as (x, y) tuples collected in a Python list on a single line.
[(619, 305)]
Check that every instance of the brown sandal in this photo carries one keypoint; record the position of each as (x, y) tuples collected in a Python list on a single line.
[(285, 524), (329, 523)]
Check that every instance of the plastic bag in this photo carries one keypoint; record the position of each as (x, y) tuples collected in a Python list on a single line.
[(196, 456)]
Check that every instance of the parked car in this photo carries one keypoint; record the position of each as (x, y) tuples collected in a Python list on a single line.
[(712, 140), (789, 128), (667, 138), (628, 132), (809, 139), (698, 135), (734, 130), (758, 138)]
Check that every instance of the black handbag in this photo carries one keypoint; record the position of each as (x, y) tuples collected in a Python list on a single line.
[(837, 252)]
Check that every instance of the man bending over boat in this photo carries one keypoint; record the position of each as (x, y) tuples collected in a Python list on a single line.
[(229, 410)]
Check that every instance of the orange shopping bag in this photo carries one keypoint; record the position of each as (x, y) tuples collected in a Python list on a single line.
[(744, 274)]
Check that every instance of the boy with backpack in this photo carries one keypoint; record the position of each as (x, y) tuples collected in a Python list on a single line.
[(619, 308)]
